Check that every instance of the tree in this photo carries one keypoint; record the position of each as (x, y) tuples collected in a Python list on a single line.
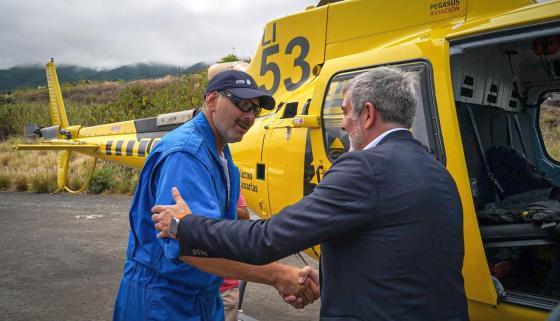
[(229, 58)]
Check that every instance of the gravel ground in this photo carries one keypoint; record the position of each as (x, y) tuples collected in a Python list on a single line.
[(62, 255)]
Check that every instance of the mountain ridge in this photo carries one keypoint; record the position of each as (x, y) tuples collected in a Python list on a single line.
[(34, 76)]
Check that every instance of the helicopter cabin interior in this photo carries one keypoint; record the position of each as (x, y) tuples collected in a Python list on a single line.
[(507, 97)]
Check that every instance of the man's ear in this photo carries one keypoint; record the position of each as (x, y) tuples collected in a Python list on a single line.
[(370, 115), (211, 100)]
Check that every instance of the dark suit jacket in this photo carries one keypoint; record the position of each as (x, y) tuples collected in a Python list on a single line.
[(389, 221)]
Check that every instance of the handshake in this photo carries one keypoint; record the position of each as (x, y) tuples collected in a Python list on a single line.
[(303, 292), (297, 286)]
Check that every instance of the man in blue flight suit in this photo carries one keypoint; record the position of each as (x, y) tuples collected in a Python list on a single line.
[(387, 215), (157, 284)]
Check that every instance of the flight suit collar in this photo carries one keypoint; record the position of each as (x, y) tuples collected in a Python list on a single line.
[(204, 128)]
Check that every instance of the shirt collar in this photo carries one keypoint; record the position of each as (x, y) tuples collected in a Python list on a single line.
[(378, 139)]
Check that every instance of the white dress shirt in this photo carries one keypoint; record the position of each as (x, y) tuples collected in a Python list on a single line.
[(376, 141)]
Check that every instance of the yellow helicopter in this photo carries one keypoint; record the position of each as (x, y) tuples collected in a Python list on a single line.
[(488, 70)]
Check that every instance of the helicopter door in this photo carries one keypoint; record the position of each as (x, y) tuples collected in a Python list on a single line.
[(284, 160), (249, 157)]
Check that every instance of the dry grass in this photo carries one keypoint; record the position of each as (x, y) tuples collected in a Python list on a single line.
[(36, 171), (42, 181), (20, 183)]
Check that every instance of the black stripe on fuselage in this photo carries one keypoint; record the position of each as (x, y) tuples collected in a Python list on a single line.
[(149, 147), (108, 147), (142, 148), (130, 147), (118, 148)]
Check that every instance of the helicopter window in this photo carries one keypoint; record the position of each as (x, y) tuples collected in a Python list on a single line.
[(549, 125), (290, 110), (424, 128), (260, 171)]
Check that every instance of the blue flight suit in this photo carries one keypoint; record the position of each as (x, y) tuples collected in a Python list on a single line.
[(156, 285)]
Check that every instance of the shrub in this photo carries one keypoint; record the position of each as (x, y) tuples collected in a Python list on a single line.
[(101, 181), (126, 188), (20, 183), (5, 181), (42, 182), (126, 181)]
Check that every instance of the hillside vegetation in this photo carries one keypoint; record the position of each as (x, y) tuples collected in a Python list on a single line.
[(90, 103), (87, 103)]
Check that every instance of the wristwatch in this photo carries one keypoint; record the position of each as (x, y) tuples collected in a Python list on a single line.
[(174, 225)]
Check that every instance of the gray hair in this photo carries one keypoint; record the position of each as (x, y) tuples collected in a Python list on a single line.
[(390, 89)]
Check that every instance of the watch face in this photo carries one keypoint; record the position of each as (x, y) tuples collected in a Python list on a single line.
[(173, 226)]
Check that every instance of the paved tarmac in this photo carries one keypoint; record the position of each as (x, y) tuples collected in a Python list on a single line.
[(61, 258)]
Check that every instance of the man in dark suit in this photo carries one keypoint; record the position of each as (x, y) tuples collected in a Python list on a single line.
[(387, 215)]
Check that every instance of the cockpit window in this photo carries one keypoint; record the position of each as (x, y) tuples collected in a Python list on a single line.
[(549, 123), (425, 127)]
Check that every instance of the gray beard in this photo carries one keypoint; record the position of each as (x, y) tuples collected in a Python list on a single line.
[(351, 143), (354, 142)]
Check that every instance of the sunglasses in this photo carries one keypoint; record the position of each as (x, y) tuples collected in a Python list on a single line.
[(245, 105)]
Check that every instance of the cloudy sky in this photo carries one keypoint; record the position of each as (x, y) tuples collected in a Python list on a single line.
[(107, 33)]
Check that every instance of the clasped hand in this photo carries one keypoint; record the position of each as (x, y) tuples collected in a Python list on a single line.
[(298, 288), (163, 214)]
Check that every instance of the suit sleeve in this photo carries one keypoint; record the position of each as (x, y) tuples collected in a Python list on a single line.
[(194, 181), (341, 202)]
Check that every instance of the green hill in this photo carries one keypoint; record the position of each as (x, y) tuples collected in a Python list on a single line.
[(34, 76)]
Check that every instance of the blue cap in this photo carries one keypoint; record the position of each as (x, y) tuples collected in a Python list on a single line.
[(241, 85)]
